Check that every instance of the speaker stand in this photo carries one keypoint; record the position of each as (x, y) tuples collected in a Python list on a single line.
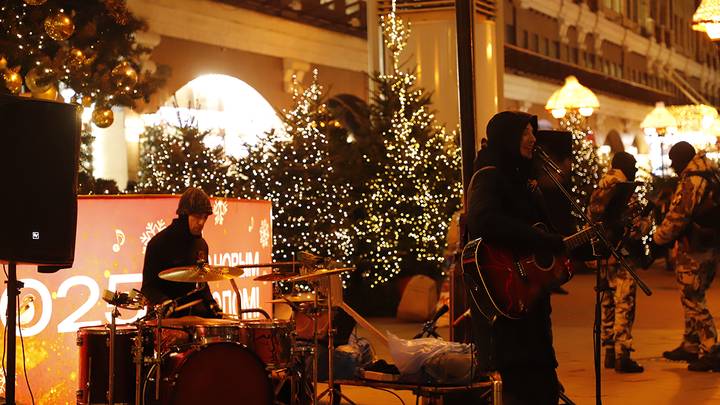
[(12, 292)]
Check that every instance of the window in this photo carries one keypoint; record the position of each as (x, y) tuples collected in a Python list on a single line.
[(510, 34), (525, 44), (535, 44)]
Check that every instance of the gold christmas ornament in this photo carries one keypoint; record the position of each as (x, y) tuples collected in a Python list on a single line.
[(75, 59), (13, 80), (50, 94), (3, 62), (102, 116), (35, 2), (40, 78), (59, 26), (124, 76), (86, 101)]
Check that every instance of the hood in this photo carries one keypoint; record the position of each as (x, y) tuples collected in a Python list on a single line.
[(504, 133)]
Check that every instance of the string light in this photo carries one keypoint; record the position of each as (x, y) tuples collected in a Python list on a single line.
[(585, 166)]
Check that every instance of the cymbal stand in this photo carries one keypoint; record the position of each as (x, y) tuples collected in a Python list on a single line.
[(139, 359), (316, 346), (111, 355), (158, 355), (331, 390)]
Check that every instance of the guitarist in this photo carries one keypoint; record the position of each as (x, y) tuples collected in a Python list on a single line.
[(620, 290), (502, 207)]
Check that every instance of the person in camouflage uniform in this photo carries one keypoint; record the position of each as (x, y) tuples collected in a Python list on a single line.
[(618, 298), (695, 266)]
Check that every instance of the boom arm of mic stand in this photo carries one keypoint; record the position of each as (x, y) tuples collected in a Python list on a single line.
[(596, 230)]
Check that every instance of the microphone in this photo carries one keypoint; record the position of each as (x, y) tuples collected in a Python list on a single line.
[(462, 317), (440, 312), (429, 326), (25, 304), (539, 152)]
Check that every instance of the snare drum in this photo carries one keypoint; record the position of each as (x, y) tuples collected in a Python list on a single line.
[(94, 345), (193, 330), (271, 340)]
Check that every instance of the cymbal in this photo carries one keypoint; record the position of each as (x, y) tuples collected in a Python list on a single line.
[(320, 273), (276, 264), (296, 299), (200, 274), (190, 321), (275, 277)]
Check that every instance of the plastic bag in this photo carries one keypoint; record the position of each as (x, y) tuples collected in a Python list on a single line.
[(411, 355)]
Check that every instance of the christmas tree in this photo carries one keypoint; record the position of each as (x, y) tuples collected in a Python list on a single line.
[(585, 162), (417, 186), (87, 48), (174, 157), (295, 169)]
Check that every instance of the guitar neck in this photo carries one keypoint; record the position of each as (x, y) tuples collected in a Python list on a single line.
[(578, 238)]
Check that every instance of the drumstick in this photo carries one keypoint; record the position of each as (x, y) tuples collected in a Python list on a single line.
[(186, 305)]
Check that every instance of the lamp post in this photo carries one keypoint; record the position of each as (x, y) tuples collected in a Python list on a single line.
[(707, 18), (659, 122), (571, 105), (572, 101)]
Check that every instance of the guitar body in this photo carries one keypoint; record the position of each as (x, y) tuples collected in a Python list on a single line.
[(506, 285)]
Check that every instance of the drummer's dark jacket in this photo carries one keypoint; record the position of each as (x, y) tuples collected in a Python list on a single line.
[(502, 207), (175, 246)]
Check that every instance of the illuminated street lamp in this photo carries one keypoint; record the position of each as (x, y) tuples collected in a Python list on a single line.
[(659, 122), (572, 97), (707, 18)]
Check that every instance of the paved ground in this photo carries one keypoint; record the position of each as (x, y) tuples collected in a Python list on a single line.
[(658, 327)]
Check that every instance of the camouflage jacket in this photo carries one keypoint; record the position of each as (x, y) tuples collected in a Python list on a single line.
[(685, 200), (602, 194), (600, 199)]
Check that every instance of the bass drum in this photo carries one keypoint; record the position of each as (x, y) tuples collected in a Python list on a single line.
[(218, 373)]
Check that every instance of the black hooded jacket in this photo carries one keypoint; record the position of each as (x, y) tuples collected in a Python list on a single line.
[(175, 246), (502, 207)]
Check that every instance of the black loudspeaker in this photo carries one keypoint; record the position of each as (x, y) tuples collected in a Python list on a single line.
[(39, 151)]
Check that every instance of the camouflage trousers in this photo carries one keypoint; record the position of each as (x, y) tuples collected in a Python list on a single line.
[(695, 272), (618, 307)]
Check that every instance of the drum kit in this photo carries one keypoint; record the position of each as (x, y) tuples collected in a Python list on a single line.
[(189, 360)]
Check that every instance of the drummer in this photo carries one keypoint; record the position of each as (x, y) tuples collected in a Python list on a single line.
[(181, 244)]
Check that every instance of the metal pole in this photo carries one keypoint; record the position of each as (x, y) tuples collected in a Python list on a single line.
[(12, 293)]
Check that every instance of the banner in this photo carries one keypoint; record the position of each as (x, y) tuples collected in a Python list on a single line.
[(112, 234)]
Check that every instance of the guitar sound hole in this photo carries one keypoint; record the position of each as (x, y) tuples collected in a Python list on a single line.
[(544, 261)]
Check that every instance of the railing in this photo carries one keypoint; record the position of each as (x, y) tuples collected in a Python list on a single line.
[(346, 16)]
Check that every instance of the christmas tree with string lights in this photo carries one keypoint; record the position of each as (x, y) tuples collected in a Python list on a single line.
[(295, 169), (417, 186), (89, 47), (585, 163), (174, 157)]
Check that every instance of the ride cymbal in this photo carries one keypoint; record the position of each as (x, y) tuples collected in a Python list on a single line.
[(200, 274)]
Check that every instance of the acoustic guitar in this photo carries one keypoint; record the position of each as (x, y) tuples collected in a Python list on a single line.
[(507, 284)]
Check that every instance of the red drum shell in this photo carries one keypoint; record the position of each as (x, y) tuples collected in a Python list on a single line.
[(94, 345), (271, 340), (218, 373)]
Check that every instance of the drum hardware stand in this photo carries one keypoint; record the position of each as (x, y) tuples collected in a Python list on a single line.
[(111, 355), (331, 391)]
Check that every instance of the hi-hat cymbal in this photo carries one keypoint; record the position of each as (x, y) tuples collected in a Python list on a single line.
[(276, 264), (320, 273), (200, 274)]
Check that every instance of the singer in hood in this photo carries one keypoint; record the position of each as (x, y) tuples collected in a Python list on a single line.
[(503, 204), (181, 244)]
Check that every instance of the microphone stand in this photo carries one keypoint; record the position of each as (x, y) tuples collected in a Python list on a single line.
[(552, 170)]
